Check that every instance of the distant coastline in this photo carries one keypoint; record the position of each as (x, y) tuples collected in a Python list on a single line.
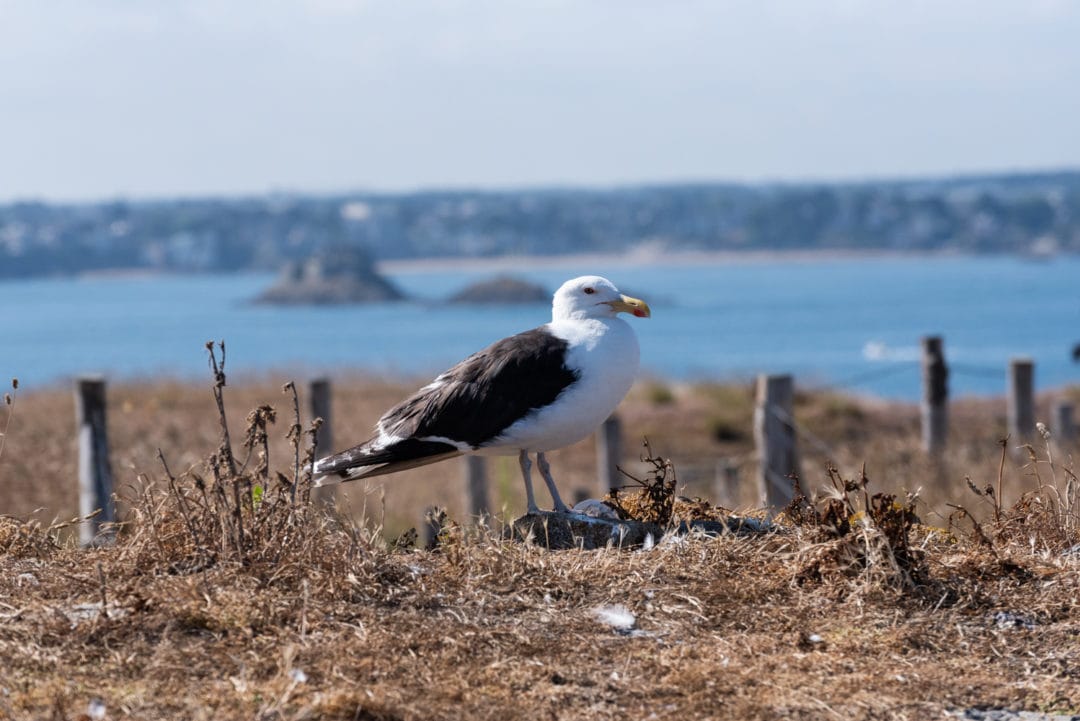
[(635, 259), (1035, 215), (631, 259)]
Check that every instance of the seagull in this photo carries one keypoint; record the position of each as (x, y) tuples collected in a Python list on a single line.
[(529, 393)]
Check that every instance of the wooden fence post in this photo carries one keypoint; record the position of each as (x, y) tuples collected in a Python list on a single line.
[(1064, 423), (726, 483), (1020, 398), (95, 472), (935, 396), (476, 486), (320, 407), (774, 437), (608, 450)]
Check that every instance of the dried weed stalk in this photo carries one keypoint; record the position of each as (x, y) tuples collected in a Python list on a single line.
[(654, 499), (9, 403), (1045, 519)]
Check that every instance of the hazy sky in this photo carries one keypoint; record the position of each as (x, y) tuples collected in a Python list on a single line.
[(139, 98)]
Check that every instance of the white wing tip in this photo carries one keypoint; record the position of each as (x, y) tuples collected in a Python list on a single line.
[(323, 481)]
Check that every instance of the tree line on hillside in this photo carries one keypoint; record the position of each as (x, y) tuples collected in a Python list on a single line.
[(1037, 213)]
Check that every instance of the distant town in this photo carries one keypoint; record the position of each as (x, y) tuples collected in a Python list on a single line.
[(1035, 213)]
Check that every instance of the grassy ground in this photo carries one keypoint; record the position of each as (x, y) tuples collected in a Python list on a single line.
[(331, 623), (215, 603)]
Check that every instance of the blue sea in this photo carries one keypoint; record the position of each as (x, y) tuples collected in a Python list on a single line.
[(851, 324)]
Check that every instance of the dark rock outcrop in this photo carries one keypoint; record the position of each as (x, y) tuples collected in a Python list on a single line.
[(502, 289), (335, 276)]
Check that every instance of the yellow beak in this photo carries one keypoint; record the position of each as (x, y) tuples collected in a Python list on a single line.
[(634, 306)]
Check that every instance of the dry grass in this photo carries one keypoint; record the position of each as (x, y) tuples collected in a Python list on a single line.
[(328, 622), (227, 596)]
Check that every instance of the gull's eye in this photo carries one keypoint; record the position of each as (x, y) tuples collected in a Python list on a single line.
[(590, 291)]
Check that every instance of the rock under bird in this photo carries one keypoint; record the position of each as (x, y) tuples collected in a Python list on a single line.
[(529, 393)]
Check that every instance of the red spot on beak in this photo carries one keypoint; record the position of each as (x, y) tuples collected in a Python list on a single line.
[(639, 313)]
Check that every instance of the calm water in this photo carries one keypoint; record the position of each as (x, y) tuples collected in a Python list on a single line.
[(847, 323)]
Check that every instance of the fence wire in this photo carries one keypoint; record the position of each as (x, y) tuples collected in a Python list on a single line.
[(859, 379)]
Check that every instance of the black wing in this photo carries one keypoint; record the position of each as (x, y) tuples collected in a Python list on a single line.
[(471, 403), (486, 393)]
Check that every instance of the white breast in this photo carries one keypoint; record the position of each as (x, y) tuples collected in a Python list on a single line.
[(605, 354)]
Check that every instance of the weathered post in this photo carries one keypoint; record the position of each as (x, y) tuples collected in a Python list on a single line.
[(774, 437), (1020, 398), (95, 472), (1064, 428), (935, 396), (608, 449), (476, 485), (726, 483), (320, 407)]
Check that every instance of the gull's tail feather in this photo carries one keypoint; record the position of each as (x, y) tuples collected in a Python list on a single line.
[(368, 460)]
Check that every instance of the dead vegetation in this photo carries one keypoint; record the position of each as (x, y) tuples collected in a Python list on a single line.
[(652, 499), (228, 595), (656, 499)]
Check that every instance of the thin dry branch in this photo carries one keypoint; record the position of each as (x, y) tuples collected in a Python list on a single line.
[(218, 369), (295, 436), (9, 401), (181, 502)]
